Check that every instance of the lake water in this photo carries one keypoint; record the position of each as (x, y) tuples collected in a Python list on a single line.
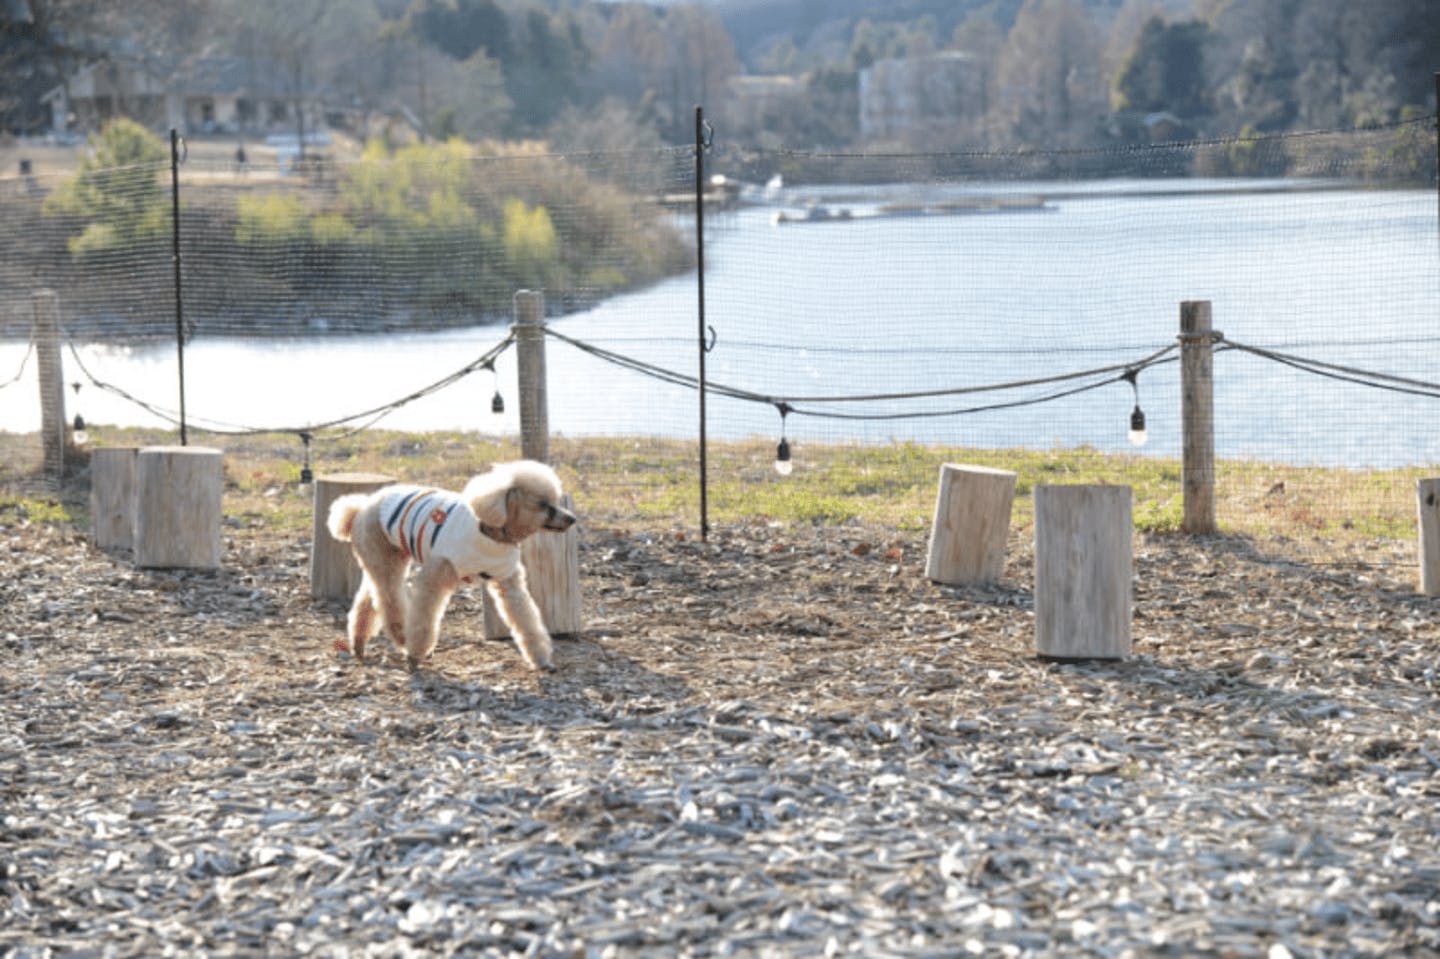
[(884, 305)]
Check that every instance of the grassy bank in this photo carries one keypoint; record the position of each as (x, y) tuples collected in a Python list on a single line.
[(654, 484)]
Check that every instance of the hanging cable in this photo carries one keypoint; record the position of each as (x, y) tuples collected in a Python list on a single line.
[(1348, 374), (371, 416), (30, 348), (681, 379)]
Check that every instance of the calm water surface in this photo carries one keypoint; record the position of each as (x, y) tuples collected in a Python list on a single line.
[(888, 305)]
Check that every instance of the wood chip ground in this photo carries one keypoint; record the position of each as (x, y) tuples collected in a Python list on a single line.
[(780, 742)]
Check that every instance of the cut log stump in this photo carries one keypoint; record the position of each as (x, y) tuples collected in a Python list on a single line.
[(972, 520), (334, 573), (552, 571), (112, 495), (1083, 570), (177, 507)]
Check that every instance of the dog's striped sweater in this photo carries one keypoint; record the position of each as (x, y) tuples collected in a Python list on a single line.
[(427, 523)]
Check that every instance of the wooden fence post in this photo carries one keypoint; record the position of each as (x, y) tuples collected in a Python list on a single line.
[(552, 560), (1427, 503), (334, 573), (1197, 417), (51, 373), (1083, 568), (972, 520), (529, 331)]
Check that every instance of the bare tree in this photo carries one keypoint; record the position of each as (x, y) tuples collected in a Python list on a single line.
[(287, 32), (1051, 89)]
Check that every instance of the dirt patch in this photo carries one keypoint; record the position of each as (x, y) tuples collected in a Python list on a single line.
[(784, 740)]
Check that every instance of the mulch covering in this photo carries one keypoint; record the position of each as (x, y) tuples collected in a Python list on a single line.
[(782, 741)]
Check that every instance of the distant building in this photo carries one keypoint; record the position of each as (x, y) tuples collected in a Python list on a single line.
[(211, 95), (903, 99)]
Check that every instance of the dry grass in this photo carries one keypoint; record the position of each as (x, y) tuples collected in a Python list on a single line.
[(1315, 514)]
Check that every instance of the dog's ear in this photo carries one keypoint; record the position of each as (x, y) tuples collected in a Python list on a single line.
[(491, 505)]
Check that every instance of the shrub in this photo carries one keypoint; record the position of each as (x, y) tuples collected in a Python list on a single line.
[(117, 189), (530, 243), (271, 218)]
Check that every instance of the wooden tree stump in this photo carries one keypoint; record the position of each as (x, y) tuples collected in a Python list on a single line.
[(177, 507), (1083, 570), (112, 495), (972, 519), (1427, 502), (552, 570), (334, 573)]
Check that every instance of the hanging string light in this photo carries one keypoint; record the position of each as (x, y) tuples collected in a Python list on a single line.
[(783, 466), (497, 402), (307, 475), (78, 432), (1137, 434)]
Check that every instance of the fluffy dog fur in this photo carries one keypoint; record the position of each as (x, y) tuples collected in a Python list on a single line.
[(494, 513)]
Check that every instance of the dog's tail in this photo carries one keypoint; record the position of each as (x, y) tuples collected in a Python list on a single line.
[(342, 515)]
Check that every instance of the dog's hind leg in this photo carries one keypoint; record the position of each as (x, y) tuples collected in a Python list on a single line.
[(520, 613), (385, 574), (429, 595), (363, 622)]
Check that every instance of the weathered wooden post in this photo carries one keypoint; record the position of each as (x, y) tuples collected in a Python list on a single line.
[(112, 495), (1427, 501), (178, 507), (529, 332), (45, 334), (552, 560), (972, 519), (334, 573), (1197, 417), (1083, 569)]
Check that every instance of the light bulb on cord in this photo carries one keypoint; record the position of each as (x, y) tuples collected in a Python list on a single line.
[(497, 402), (1137, 427), (783, 465), (78, 433), (307, 476), (1137, 434)]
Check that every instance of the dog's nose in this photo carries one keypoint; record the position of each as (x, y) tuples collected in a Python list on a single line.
[(559, 519)]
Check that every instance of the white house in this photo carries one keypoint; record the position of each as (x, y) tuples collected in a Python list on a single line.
[(209, 95)]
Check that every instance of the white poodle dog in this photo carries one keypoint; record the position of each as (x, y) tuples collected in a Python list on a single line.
[(450, 538)]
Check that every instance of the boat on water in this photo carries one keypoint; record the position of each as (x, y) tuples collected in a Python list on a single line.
[(966, 206)]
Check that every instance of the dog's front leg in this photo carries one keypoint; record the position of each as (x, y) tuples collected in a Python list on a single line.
[(520, 613), (429, 595)]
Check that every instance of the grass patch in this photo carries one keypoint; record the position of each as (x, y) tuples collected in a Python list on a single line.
[(654, 483), (32, 510)]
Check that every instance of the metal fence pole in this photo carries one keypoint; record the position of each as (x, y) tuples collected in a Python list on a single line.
[(175, 256), (700, 144)]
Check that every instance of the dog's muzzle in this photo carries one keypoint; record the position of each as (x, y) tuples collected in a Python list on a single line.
[(557, 518)]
